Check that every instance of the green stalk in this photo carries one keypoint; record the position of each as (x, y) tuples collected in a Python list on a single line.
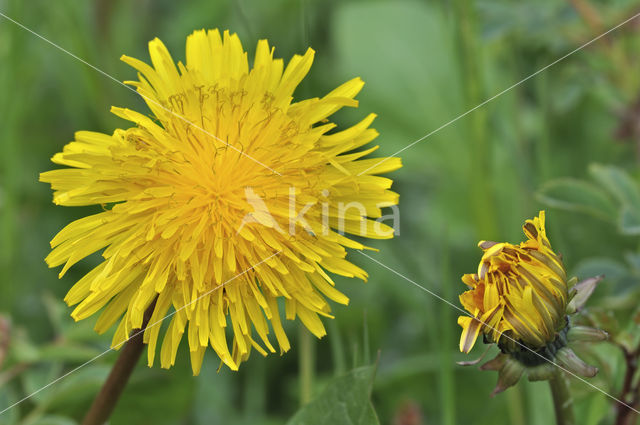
[(480, 148), (337, 348), (11, 155), (307, 343), (516, 405), (307, 360), (543, 150), (562, 400), (447, 378), (255, 394), (366, 349)]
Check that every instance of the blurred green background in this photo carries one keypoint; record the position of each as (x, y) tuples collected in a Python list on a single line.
[(567, 140)]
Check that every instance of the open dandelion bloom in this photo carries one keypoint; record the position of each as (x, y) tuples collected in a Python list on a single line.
[(224, 201), (519, 291), (520, 299)]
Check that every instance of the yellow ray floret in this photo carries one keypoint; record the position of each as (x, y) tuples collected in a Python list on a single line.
[(225, 200), (519, 291)]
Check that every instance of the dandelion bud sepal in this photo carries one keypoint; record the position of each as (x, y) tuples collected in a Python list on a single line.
[(586, 334), (543, 364)]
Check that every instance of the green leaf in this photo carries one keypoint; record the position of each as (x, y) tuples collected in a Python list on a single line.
[(22, 349), (7, 398), (614, 270), (69, 352), (54, 420), (629, 222), (75, 389), (596, 410), (633, 259), (36, 377), (57, 311), (617, 182), (346, 400), (577, 195)]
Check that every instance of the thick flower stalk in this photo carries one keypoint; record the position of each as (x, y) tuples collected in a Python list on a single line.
[(223, 201), (520, 299)]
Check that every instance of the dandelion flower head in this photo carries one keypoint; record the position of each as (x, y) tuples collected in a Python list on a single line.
[(197, 216)]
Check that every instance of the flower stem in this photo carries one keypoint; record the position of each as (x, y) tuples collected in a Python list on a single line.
[(482, 194), (306, 365), (106, 400), (516, 405), (562, 400), (447, 377)]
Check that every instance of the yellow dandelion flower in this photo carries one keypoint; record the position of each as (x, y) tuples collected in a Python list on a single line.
[(520, 291), (228, 198), (520, 299)]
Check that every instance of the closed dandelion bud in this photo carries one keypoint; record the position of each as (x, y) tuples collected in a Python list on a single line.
[(519, 291), (520, 299)]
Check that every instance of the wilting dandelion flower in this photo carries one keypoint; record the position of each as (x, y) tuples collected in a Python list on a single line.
[(222, 202), (520, 299)]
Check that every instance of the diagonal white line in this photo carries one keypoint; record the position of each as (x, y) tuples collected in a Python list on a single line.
[(138, 93), (502, 334), (136, 334), (577, 49)]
